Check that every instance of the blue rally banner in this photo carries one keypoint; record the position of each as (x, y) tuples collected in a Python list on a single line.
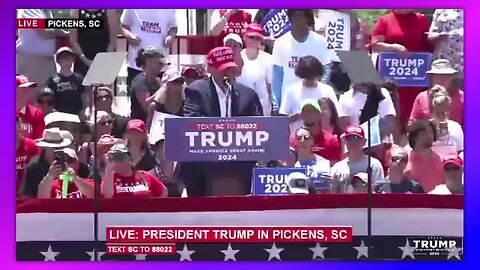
[(226, 139), (411, 71), (276, 23), (272, 181)]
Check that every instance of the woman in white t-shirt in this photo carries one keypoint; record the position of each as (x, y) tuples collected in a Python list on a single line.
[(310, 70), (257, 66), (147, 27), (375, 100), (291, 47), (449, 133)]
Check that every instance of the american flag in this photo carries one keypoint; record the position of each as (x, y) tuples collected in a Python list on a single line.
[(381, 248), (417, 228)]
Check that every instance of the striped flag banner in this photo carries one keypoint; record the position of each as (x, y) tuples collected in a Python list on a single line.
[(402, 226)]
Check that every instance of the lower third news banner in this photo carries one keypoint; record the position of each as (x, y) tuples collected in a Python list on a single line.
[(247, 243)]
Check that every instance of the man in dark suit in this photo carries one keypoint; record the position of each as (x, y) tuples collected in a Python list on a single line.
[(219, 96)]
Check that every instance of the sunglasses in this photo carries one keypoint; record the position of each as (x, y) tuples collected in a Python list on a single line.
[(104, 98), (398, 159), (105, 123), (119, 157), (309, 125), (48, 102), (451, 168), (303, 137)]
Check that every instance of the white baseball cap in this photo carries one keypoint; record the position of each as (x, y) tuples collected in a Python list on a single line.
[(234, 37)]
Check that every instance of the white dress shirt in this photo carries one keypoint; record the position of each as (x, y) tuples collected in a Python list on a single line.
[(224, 100)]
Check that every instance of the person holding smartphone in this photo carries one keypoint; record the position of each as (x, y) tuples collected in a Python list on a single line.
[(64, 169), (121, 180), (39, 167), (449, 133)]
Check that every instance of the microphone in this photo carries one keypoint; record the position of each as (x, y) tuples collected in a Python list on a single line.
[(226, 82)]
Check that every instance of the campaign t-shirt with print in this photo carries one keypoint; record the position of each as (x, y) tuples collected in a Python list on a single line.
[(288, 51), (68, 91), (344, 170), (32, 122), (449, 139), (72, 191), (26, 150), (151, 26), (140, 184)]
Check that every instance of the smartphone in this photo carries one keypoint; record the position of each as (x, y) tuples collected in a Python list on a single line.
[(60, 158)]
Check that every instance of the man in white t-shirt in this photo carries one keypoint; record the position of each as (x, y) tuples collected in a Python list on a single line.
[(352, 102), (36, 47), (288, 49), (309, 70), (147, 27)]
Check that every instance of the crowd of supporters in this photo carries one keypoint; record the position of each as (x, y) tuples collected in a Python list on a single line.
[(294, 75)]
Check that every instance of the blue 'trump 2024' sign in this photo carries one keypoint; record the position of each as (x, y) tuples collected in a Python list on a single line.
[(276, 23), (411, 71), (272, 181)]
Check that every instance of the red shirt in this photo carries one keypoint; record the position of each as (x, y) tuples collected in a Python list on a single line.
[(141, 184), (408, 30), (32, 121), (72, 193), (426, 171), (237, 23), (26, 150), (325, 144)]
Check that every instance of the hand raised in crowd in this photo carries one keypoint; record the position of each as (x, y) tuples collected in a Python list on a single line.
[(133, 40), (439, 37), (168, 41), (54, 171), (401, 50)]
